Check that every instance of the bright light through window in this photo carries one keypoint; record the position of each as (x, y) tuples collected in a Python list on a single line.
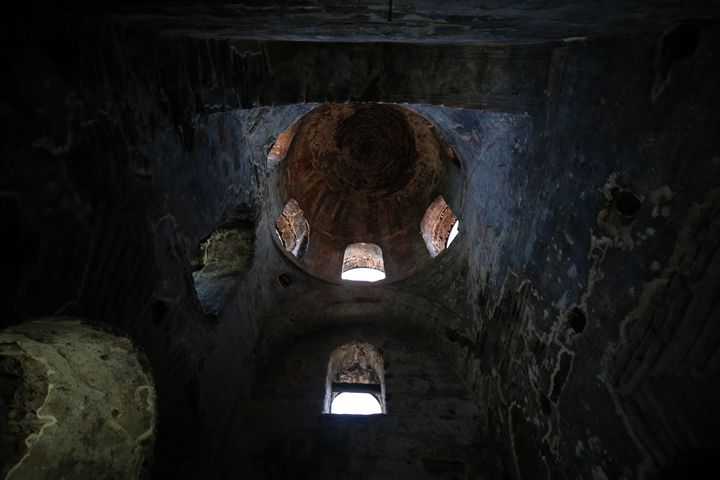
[(362, 274), (439, 226), (355, 404), (453, 233)]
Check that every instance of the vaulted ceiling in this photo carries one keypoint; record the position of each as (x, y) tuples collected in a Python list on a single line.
[(569, 332)]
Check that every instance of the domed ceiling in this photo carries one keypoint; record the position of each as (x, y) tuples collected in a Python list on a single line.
[(365, 173)]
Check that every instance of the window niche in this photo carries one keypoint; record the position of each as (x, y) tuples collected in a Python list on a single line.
[(280, 148), (293, 229), (439, 226), (223, 259), (355, 382), (363, 262)]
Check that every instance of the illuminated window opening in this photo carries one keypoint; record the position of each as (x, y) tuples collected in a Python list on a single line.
[(355, 404), (355, 382), (439, 226), (453, 233), (363, 262), (280, 148), (293, 229)]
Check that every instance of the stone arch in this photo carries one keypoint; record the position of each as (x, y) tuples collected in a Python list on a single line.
[(363, 262), (438, 226), (355, 367), (293, 229)]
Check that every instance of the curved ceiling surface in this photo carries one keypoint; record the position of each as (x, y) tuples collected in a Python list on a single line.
[(365, 173)]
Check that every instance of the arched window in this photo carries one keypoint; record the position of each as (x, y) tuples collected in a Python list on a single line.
[(355, 382), (363, 262), (293, 229), (280, 148), (439, 226)]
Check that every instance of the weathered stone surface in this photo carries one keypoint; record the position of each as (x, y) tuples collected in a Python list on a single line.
[(430, 430), (226, 257), (365, 173), (77, 403), (576, 303)]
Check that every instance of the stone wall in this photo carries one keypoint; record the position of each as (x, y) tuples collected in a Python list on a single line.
[(590, 370), (77, 402), (431, 428), (570, 302)]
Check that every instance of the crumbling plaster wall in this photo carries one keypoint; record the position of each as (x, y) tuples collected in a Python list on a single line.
[(581, 376), (110, 200), (118, 160), (77, 402), (430, 429)]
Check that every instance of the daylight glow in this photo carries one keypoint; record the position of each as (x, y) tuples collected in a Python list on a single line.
[(355, 404), (362, 274), (453, 233)]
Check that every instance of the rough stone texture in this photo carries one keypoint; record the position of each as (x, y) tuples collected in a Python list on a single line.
[(429, 431), (363, 255), (226, 257), (436, 226), (587, 233), (570, 239), (81, 403), (365, 173), (293, 229), (355, 363), (664, 367)]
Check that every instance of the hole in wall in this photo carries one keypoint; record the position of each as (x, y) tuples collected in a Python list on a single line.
[(576, 319), (355, 376), (363, 262), (226, 256), (627, 205), (679, 43), (293, 229), (439, 226), (285, 280)]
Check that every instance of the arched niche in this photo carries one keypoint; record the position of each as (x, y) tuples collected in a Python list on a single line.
[(293, 229), (355, 367), (439, 226), (363, 262)]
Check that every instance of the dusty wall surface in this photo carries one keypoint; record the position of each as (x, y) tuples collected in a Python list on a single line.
[(430, 429), (576, 302), (590, 303), (77, 402)]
